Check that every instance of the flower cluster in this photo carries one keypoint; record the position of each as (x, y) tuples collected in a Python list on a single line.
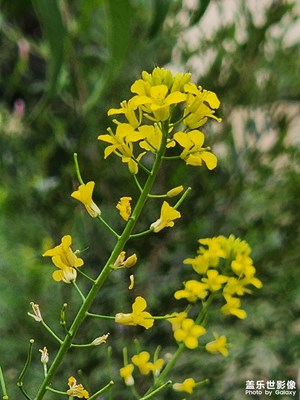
[(160, 122), (225, 266), (176, 107)]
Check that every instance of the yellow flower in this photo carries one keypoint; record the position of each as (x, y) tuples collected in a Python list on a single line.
[(201, 105), (235, 286), (232, 306), (155, 99), (124, 207), (65, 260), (152, 138), (76, 390), (141, 360), (193, 291), (193, 153), (200, 263), (186, 386), (129, 109), (214, 280), (176, 319), (121, 144), (157, 366), (123, 262), (84, 195), (167, 215), (218, 345), (138, 315), (126, 374), (188, 333)]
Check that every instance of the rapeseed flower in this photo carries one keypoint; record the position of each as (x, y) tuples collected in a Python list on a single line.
[(76, 390), (65, 260), (232, 307), (155, 100), (219, 345), (167, 216), (84, 195), (214, 280), (186, 386), (138, 316), (124, 207), (188, 333), (176, 319), (193, 151), (131, 111), (201, 105), (193, 291), (141, 360), (121, 144), (126, 374)]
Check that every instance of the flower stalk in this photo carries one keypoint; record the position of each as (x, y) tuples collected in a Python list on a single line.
[(121, 242)]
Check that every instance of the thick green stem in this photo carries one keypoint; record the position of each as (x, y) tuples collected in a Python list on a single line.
[(3, 387), (121, 242)]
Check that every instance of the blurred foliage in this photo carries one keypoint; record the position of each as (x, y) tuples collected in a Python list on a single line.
[(62, 65)]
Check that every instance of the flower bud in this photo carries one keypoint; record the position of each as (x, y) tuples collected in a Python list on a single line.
[(175, 191)]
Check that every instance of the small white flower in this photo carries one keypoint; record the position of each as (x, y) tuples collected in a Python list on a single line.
[(37, 316), (101, 339)]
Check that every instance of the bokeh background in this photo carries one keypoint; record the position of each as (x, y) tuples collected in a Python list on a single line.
[(63, 64)]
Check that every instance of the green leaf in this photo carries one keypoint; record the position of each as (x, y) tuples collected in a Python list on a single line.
[(118, 38), (52, 24), (198, 14), (161, 9)]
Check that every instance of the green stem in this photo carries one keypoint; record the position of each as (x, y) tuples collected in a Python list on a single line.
[(202, 314), (135, 235), (23, 372), (79, 291), (108, 227), (50, 389), (171, 363), (137, 183), (77, 169), (121, 242), (182, 197), (3, 387), (148, 396), (47, 327), (27, 363), (172, 158), (85, 275), (101, 390), (88, 314)]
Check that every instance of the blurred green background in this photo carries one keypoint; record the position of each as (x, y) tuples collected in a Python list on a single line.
[(63, 64)]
